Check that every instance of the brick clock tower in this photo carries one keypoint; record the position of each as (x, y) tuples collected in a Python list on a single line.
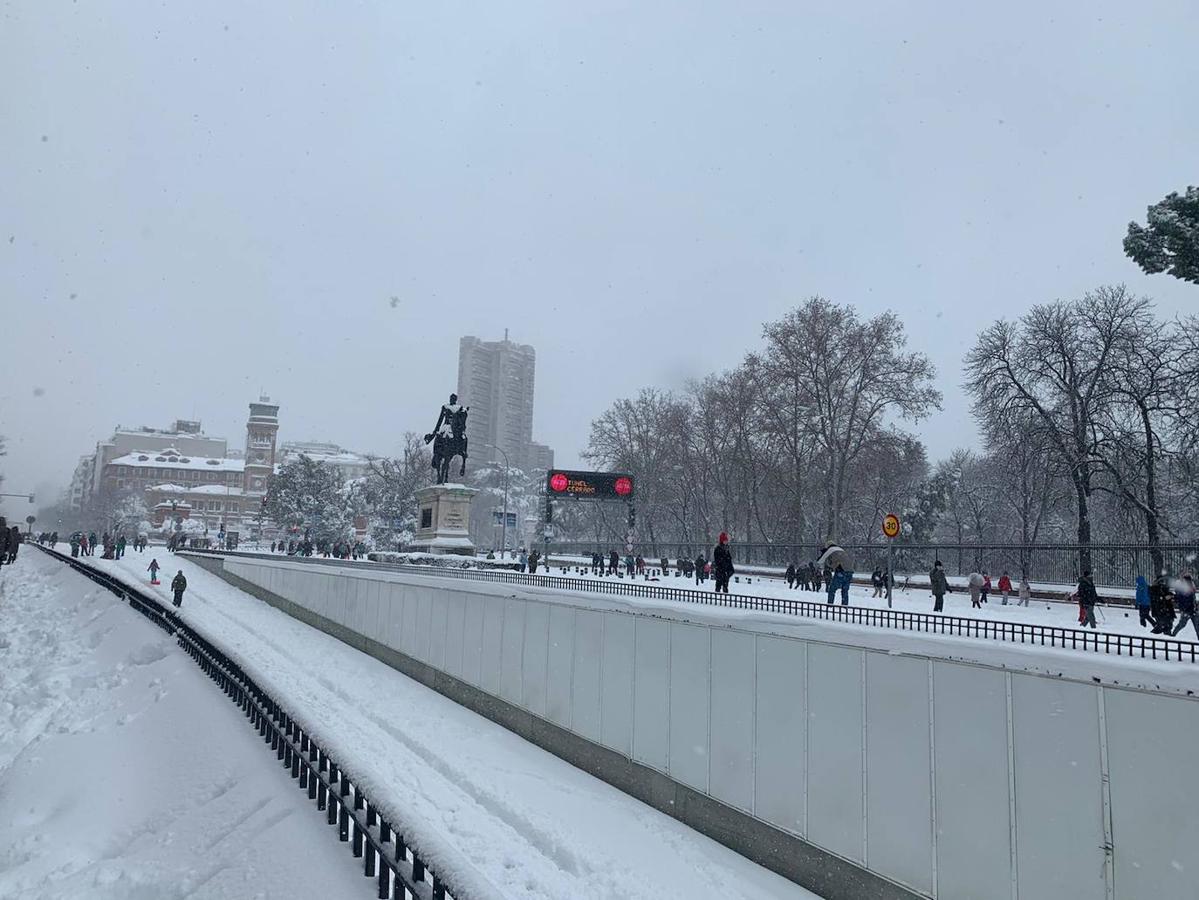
[(262, 430)]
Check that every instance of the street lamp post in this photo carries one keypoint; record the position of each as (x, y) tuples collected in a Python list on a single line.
[(504, 526)]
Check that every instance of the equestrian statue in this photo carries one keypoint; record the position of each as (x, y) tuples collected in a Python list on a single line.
[(447, 446)]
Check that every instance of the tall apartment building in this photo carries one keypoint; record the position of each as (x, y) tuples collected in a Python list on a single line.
[(495, 379)]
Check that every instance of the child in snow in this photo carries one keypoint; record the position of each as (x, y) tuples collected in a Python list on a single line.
[(153, 570), (1025, 592), (986, 586), (1005, 586)]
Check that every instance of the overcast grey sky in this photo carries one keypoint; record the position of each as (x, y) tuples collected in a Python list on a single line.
[(199, 201)]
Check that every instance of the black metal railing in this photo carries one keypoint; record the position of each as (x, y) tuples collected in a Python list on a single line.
[(1141, 646), (397, 867), (1112, 565)]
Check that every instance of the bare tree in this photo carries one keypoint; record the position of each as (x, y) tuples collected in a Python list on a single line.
[(1054, 367), (635, 436), (1151, 376), (845, 378)]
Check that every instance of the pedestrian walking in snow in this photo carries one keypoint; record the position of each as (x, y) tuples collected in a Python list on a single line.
[(939, 584), (876, 581), (1087, 598), (986, 588), (1184, 599), (153, 570), (838, 567), (790, 575), (700, 568), (974, 584), (121, 547), (1005, 586), (14, 543), (840, 581), (1024, 591), (179, 585), (1161, 605), (722, 564), (522, 561), (1143, 601)]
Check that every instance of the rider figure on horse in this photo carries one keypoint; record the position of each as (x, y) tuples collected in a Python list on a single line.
[(446, 447)]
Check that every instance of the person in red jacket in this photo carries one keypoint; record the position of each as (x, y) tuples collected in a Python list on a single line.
[(1005, 586)]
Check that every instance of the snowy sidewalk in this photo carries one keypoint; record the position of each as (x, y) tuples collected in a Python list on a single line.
[(511, 819), (125, 774)]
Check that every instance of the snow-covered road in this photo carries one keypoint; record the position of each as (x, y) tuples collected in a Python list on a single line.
[(509, 819), (125, 775)]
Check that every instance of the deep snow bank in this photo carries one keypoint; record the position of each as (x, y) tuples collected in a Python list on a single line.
[(125, 774)]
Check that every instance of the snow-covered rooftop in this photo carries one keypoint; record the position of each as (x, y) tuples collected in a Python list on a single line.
[(170, 458)]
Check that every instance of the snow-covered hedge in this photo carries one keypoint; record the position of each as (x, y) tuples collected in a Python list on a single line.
[(443, 560)]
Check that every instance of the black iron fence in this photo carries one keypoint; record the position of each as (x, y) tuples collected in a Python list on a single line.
[(1146, 647), (398, 869), (1141, 646), (1112, 565)]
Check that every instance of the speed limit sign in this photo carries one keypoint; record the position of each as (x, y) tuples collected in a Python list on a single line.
[(891, 525)]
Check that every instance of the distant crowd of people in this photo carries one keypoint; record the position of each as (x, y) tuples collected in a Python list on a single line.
[(10, 542), (111, 546), (334, 549)]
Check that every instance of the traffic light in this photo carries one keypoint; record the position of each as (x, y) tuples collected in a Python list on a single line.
[(549, 511)]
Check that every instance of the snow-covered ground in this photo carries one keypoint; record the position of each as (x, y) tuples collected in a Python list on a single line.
[(1171, 676), (505, 816), (1111, 618), (1116, 619), (125, 774)]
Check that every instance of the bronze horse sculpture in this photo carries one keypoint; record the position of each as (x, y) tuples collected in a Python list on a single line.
[(447, 446)]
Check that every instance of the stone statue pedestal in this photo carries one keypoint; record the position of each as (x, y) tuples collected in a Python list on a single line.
[(443, 519)]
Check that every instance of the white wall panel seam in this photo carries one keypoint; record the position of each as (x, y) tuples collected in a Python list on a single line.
[(1011, 786), (709, 737), (1105, 787), (753, 756), (669, 693), (865, 771), (522, 692), (603, 650), (570, 704), (549, 614), (807, 732), (932, 773)]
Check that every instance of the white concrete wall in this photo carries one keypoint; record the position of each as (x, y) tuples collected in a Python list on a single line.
[(957, 780)]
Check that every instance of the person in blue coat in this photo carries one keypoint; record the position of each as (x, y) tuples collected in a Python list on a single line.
[(1143, 602)]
